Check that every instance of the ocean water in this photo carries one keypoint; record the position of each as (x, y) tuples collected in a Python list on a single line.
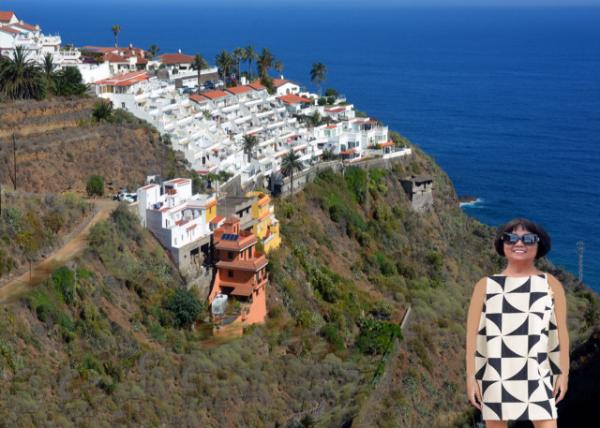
[(506, 100)]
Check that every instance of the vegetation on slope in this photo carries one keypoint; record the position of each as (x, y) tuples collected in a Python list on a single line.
[(34, 224), (107, 340)]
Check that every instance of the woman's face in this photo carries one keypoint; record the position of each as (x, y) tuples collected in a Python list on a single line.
[(520, 252)]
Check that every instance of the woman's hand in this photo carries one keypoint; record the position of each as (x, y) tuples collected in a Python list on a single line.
[(473, 392), (560, 387)]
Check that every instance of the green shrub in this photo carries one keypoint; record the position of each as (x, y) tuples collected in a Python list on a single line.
[(68, 82), (376, 336), (330, 332), (95, 186), (184, 306), (64, 281)]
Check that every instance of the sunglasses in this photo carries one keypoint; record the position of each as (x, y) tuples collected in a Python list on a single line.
[(513, 238)]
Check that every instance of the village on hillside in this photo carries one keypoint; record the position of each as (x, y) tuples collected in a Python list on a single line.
[(247, 128)]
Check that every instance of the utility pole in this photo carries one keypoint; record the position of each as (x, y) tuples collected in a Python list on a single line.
[(14, 162), (580, 248)]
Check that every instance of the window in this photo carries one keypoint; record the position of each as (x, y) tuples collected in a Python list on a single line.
[(230, 273), (230, 255)]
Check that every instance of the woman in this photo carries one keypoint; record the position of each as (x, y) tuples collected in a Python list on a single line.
[(517, 352)]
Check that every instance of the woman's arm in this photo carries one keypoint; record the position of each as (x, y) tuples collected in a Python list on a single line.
[(473, 317), (560, 311)]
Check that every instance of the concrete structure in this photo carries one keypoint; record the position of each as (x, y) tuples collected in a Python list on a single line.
[(419, 188), (241, 207), (179, 220), (241, 276)]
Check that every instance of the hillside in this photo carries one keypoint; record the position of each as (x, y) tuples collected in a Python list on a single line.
[(59, 145), (105, 341)]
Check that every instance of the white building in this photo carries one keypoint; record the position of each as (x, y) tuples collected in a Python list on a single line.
[(16, 33), (178, 219)]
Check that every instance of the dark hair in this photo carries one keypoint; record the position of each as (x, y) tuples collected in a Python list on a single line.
[(544, 243)]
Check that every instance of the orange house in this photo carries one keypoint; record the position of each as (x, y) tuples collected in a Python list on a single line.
[(241, 277)]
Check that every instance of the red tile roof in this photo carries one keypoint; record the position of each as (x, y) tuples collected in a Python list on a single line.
[(257, 86), (236, 90), (176, 58), (6, 16), (198, 98), (294, 99), (178, 181), (348, 152), (386, 144), (280, 82), (126, 79), (25, 26), (9, 30), (331, 126), (335, 110), (215, 94)]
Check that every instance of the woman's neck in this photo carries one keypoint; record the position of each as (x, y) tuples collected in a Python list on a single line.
[(520, 269)]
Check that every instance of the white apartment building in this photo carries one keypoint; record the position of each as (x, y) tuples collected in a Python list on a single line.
[(17, 33), (178, 219)]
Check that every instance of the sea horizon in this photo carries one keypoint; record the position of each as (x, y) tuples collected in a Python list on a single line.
[(504, 99)]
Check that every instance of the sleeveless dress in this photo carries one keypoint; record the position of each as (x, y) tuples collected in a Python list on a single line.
[(517, 351)]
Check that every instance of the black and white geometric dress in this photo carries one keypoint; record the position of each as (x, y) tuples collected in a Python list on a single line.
[(517, 353)]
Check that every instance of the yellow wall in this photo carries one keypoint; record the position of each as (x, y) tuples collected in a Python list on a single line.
[(266, 219)]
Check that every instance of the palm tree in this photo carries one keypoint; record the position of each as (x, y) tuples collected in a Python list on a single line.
[(317, 74), (103, 110), (250, 142), (238, 55), (48, 70), (20, 77), (224, 62), (250, 56), (153, 50), (278, 66), (199, 64), (289, 164), (265, 62), (116, 29)]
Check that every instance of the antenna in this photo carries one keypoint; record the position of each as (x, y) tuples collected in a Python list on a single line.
[(580, 248)]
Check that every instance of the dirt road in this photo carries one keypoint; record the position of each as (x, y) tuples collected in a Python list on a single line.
[(72, 247)]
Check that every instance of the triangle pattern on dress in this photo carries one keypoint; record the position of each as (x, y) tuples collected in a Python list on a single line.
[(523, 288), (499, 279), (535, 295), (545, 405), (496, 319), (524, 416), (521, 375), (554, 368), (507, 308), (533, 339), (496, 364), (479, 374), (496, 408), (506, 352), (522, 329), (485, 384), (508, 398)]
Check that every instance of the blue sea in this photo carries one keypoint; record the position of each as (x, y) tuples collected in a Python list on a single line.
[(506, 100)]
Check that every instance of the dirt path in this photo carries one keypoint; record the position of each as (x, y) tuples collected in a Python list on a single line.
[(72, 247)]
